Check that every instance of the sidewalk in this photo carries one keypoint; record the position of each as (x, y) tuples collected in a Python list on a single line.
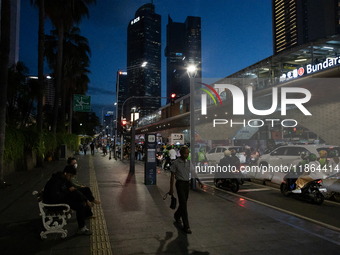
[(134, 219)]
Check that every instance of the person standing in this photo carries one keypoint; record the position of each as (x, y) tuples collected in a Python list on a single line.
[(172, 153), (92, 148), (85, 147), (181, 170)]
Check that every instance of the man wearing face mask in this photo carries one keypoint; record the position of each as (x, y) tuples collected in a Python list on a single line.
[(81, 187)]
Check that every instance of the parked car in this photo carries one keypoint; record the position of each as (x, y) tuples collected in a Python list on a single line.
[(285, 155), (216, 154)]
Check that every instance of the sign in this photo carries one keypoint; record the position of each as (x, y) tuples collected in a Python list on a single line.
[(329, 62), (151, 138), (177, 139), (82, 103), (150, 160), (135, 20)]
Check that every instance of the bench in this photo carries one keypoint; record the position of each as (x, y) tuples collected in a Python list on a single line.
[(54, 216)]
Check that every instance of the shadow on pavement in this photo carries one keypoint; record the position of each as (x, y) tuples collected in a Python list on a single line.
[(128, 198), (180, 244), (24, 238)]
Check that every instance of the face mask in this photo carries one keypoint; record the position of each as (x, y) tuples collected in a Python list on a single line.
[(75, 166)]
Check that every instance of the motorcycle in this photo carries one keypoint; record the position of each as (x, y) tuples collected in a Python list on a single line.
[(230, 183), (203, 163), (312, 191)]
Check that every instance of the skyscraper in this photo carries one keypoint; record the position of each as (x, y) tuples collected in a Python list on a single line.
[(296, 22), (183, 47), (144, 46)]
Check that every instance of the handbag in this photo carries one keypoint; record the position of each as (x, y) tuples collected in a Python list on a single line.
[(173, 202)]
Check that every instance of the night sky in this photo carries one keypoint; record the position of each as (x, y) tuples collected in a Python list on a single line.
[(235, 34)]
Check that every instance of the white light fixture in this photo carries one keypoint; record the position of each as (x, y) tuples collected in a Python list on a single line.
[(144, 64), (191, 69), (328, 48), (300, 60)]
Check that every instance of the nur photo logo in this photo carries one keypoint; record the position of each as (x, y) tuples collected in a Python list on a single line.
[(238, 99)]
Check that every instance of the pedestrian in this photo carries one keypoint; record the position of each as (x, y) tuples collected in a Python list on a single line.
[(81, 187), (92, 148), (59, 190), (85, 147), (182, 171)]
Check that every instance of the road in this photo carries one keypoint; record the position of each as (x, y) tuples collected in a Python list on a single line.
[(325, 214)]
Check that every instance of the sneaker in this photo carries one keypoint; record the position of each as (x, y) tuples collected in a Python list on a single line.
[(84, 231), (296, 191), (187, 230)]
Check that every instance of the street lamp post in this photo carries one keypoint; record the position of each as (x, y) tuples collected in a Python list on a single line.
[(192, 74), (132, 157), (106, 132), (122, 114)]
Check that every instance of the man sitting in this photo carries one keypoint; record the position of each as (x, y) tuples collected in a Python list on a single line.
[(59, 190)]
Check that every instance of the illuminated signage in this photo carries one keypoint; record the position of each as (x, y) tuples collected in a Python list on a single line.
[(329, 62), (135, 20)]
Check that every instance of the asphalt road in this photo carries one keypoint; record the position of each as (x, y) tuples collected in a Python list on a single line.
[(327, 213)]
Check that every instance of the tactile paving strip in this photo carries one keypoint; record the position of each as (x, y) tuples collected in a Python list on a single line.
[(100, 242)]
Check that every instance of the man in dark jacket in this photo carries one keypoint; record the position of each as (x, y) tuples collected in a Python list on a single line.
[(59, 189)]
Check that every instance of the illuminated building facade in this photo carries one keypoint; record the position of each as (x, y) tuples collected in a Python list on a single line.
[(296, 22), (144, 46)]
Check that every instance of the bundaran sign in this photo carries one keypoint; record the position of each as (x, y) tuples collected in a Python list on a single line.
[(329, 62)]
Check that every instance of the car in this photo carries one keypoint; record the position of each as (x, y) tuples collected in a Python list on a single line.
[(285, 155), (217, 153)]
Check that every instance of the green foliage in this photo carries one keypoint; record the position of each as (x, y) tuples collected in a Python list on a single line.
[(14, 145), (21, 94), (71, 140)]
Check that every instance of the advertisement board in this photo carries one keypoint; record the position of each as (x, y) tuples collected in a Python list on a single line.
[(177, 138)]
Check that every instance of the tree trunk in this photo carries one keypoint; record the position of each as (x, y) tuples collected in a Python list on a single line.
[(4, 60), (58, 76), (63, 101), (41, 47)]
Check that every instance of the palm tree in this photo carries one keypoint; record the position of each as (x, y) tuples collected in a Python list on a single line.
[(4, 60), (41, 42), (75, 61), (63, 14)]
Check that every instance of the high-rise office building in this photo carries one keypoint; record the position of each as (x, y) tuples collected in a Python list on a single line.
[(144, 46), (296, 22), (183, 47)]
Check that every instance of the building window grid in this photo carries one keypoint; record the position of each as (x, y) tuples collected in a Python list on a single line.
[(280, 10)]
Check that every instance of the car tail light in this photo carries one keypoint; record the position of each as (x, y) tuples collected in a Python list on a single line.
[(319, 181)]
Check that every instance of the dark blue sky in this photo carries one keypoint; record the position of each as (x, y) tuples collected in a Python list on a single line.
[(235, 34)]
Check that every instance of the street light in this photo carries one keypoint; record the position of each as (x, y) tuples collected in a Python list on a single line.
[(134, 117), (192, 71)]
